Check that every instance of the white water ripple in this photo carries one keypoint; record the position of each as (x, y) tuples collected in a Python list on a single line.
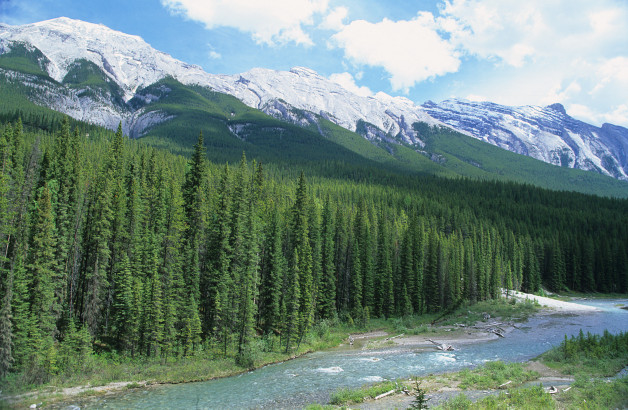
[(330, 370)]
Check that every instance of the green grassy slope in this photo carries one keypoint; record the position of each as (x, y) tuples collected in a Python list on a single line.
[(24, 59), (477, 159), (230, 127)]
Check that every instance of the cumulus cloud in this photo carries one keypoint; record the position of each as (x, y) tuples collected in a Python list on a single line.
[(475, 97), (347, 81), (515, 32), (411, 51), (268, 22), (569, 51), (334, 20)]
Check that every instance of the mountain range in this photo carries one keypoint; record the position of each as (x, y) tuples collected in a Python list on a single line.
[(106, 77)]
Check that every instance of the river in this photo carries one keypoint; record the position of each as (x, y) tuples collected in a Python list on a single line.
[(314, 377)]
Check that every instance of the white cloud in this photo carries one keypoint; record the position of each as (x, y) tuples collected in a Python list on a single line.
[(268, 22), (411, 51), (475, 97), (334, 20), (560, 94), (347, 81), (513, 30), (569, 51), (213, 54), (618, 115), (612, 71)]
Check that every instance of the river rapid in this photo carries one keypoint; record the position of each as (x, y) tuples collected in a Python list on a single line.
[(312, 378)]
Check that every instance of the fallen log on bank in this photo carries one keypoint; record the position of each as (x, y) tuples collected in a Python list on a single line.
[(442, 346), (388, 393)]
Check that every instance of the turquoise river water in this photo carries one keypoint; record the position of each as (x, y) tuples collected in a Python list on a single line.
[(312, 378)]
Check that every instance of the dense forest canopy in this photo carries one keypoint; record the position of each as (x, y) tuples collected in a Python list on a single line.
[(110, 243)]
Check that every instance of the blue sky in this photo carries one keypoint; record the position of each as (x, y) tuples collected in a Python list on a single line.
[(513, 52)]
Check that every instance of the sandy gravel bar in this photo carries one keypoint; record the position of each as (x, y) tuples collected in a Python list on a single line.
[(553, 303)]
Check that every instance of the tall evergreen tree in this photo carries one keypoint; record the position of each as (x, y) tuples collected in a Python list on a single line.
[(327, 289), (43, 279)]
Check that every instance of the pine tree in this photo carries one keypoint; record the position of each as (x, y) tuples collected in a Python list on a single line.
[(6, 274), (95, 266), (153, 312), (250, 282), (172, 266), (217, 312), (293, 297), (355, 285), (341, 261), (123, 303), (431, 289), (272, 281), (44, 308), (194, 205), (301, 247), (41, 268), (327, 292), (385, 286)]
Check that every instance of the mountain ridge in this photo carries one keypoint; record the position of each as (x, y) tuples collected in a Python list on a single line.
[(545, 133)]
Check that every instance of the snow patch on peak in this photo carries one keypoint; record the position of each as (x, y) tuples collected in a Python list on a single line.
[(304, 71), (544, 133), (301, 95), (127, 59), (133, 64)]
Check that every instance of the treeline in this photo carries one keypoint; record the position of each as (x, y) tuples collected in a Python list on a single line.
[(111, 244)]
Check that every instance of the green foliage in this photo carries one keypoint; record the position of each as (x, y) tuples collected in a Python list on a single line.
[(150, 255), (597, 394), (525, 398), (590, 354), (493, 374), (420, 401), (470, 157), (24, 58), (350, 396)]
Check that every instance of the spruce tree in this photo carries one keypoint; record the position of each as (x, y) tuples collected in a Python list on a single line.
[(6, 273), (272, 283), (301, 247), (41, 268), (292, 319), (327, 290), (217, 302), (194, 205)]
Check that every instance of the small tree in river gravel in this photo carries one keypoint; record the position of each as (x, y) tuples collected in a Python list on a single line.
[(420, 401)]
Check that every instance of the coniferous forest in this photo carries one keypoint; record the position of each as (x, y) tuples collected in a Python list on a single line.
[(108, 244)]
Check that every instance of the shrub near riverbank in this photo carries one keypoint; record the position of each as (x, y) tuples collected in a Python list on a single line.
[(583, 356), (589, 354)]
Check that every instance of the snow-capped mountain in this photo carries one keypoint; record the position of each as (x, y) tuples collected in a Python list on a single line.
[(545, 133), (304, 89), (133, 64), (128, 60), (300, 96)]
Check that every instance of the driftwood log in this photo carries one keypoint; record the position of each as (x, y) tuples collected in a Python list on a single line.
[(388, 393), (442, 346)]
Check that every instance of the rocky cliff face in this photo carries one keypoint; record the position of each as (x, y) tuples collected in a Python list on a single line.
[(545, 133)]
